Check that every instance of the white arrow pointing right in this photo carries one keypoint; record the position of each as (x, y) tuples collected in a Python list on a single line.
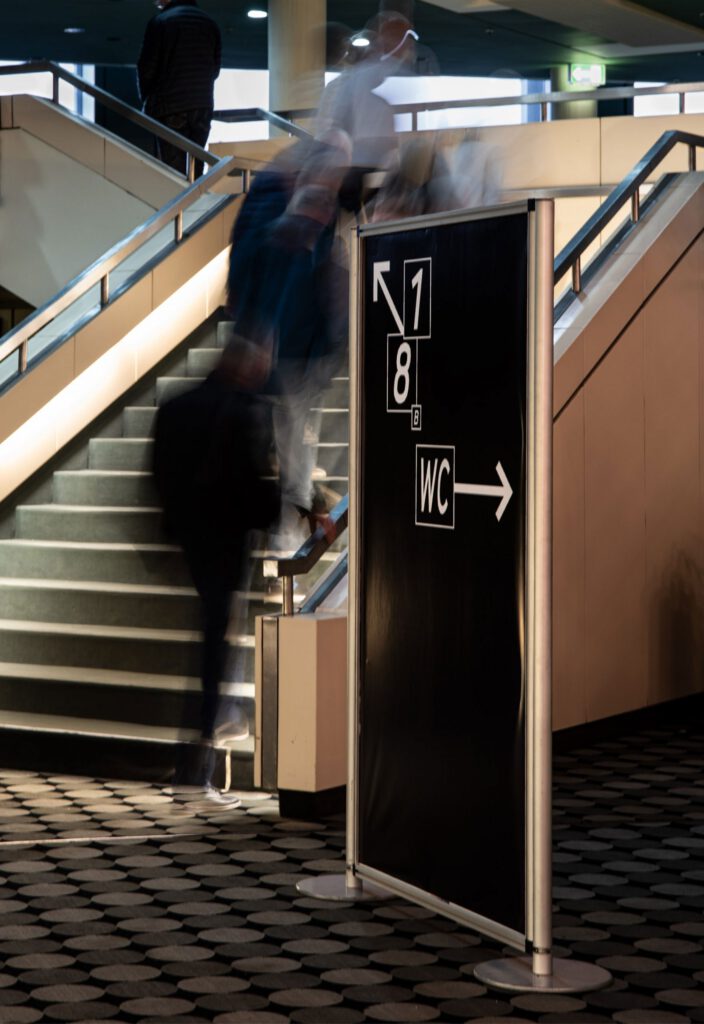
[(504, 490)]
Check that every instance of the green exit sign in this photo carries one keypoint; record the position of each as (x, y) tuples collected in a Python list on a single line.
[(587, 75)]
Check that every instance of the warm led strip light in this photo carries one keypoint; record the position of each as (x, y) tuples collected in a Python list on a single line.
[(102, 383)]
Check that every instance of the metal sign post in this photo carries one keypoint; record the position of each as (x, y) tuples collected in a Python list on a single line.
[(450, 743)]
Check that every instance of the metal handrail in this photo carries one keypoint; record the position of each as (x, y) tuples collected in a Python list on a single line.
[(193, 151), (330, 579), (570, 258), (310, 552), (540, 99), (237, 115), (543, 100), (99, 270)]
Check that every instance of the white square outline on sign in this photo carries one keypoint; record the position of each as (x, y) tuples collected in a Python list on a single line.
[(397, 334), (420, 417), (420, 259), (435, 447)]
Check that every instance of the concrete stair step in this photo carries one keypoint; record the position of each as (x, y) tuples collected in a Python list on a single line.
[(127, 649), (333, 458), (337, 393), (160, 564), (106, 524), (129, 698), (133, 454), (334, 425), (169, 387), (105, 487), (120, 604), (103, 749), (138, 420), (107, 604), (149, 737), (201, 361), (34, 721)]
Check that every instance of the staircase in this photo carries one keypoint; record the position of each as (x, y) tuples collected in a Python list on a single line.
[(99, 640)]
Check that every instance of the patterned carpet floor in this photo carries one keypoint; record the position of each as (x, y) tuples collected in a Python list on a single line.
[(129, 902)]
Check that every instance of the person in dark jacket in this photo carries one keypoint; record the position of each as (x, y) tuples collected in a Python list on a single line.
[(288, 292), (211, 468), (176, 72)]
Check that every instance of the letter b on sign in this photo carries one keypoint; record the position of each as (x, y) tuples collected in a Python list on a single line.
[(435, 486)]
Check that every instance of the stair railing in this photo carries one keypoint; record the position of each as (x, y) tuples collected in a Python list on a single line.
[(238, 115), (570, 258), (309, 554), (628, 190), (543, 100), (193, 151)]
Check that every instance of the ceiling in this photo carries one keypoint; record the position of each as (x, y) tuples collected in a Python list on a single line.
[(491, 38)]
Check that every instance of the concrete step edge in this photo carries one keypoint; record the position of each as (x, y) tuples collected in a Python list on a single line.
[(88, 545), (86, 727), (55, 508), (135, 589), (96, 586), (136, 633), (95, 727), (93, 676), (108, 473)]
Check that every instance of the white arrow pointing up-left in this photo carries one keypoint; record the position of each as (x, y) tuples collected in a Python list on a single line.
[(379, 270), (504, 490)]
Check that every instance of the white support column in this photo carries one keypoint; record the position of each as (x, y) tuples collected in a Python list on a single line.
[(296, 53), (559, 82)]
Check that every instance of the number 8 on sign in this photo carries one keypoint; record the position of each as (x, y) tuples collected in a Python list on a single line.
[(402, 379), (402, 374)]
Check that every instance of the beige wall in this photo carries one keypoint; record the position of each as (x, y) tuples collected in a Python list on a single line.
[(67, 193), (629, 478), (592, 151), (554, 154), (312, 741)]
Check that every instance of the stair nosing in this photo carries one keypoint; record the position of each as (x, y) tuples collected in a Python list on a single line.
[(100, 631), (91, 509), (101, 586), (88, 545), (86, 675)]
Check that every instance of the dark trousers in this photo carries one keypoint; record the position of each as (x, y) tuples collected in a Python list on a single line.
[(194, 125), (216, 569)]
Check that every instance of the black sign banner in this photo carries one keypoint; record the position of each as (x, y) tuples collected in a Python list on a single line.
[(441, 602)]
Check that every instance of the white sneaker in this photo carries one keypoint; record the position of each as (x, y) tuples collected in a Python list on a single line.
[(231, 730), (221, 798)]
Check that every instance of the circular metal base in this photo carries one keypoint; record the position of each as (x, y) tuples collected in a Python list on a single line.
[(516, 975), (334, 887)]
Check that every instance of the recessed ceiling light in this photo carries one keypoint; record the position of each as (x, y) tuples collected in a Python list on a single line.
[(73, 31), (256, 13), (360, 41)]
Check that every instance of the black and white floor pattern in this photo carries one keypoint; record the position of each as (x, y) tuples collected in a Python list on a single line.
[(128, 902)]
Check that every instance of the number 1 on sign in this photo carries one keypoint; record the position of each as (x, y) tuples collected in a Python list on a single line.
[(417, 287), (417, 282)]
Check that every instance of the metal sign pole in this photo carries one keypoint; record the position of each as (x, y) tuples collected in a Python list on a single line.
[(540, 971), (349, 886)]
